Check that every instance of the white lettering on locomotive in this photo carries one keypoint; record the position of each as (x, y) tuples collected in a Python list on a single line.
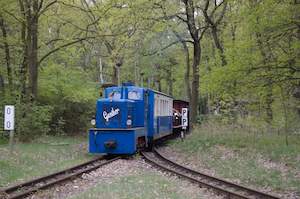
[(111, 114)]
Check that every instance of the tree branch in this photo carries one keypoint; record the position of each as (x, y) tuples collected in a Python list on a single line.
[(59, 48), (41, 11), (166, 47)]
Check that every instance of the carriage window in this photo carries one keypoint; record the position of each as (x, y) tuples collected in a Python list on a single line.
[(160, 107), (170, 108), (165, 107), (164, 110)]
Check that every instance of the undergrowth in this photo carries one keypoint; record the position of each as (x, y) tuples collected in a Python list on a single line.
[(249, 157)]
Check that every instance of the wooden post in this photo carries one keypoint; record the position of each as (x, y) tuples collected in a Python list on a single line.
[(11, 141)]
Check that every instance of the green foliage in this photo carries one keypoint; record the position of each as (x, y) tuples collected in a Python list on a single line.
[(71, 94), (65, 83), (32, 121), (262, 68)]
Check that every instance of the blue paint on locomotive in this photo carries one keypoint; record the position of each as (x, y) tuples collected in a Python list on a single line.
[(126, 114), (125, 140), (112, 115)]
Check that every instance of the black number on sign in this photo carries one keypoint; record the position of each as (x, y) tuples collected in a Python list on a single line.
[(8, 124), (8, 111)]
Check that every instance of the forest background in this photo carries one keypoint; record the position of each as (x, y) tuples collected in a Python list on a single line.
[(237, 62)]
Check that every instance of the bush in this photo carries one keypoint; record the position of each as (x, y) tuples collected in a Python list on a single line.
[(32, 121), (71, 117), (71, 94)]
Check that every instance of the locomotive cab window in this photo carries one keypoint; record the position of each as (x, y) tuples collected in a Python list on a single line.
[(134, 95), (115, 95)]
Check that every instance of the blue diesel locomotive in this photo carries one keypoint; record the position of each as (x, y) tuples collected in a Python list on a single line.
[(129, 117)]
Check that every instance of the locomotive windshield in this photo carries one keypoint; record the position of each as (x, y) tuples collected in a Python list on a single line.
[(134, 95), (115, 95)]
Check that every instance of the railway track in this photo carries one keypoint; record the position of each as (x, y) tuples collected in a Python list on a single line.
[(25, 189), (226, 188)]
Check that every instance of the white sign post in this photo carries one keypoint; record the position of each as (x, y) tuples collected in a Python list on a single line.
[(9, 123), (9, 118), (184, 121), (184, 118)]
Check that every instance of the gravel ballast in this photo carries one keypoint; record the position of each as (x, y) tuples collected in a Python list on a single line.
[(112, 177)]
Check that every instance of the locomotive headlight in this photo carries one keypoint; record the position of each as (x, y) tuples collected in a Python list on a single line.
[(93, 122), (129, 122)]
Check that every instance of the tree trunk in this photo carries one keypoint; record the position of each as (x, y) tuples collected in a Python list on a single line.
[(269, 101), (29, 35), (7, 52), (23, 65), (218, 44), (157, 77), (196, 80), (213, 23), (170, 81), (188, 66), (1, 84), (269, 86), (32, 24), (194, 32), (115, 75), (187, 72)]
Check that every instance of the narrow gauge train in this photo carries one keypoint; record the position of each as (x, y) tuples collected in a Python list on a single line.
[(129, 117)]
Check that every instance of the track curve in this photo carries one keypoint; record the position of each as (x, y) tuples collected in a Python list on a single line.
[(229, 189)]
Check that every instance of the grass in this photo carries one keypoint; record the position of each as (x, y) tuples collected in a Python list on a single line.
[(40, 157), (145, 185), (262, 160)]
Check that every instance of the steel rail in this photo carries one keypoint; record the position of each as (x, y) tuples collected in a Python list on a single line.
[(219, 180), (231, 190), (24, 189)]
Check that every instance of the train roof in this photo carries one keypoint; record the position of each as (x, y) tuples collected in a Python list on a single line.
[(115, 100), (133, 86), (181, 101), (161, 93)]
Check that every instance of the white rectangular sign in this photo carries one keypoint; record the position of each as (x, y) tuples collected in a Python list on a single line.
[(184, 118), (9, 117)]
